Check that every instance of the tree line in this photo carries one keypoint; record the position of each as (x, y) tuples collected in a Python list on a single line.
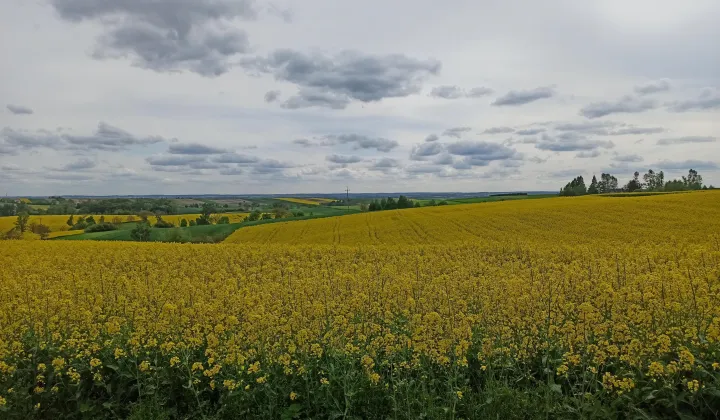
[(651, 181), (389, 203)]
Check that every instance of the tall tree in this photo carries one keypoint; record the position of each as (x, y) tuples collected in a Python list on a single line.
[(593, 189), (654, 181), (634, 184), (608, 183), (693, 181), (70, 221), (22, 222), (574, 187)]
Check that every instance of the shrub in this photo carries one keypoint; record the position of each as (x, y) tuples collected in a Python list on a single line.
[(162, 224), (183, 223), (224, 220), (80, 225), (141, 232), (100, 227), (177, 235), (193, 223)]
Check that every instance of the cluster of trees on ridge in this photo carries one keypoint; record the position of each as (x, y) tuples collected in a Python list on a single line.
[(651, 182)]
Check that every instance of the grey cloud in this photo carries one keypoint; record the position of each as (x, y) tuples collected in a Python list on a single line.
[(686, 139), (538, 159), (686, 165), (571, 142), (343, 160), (364, 142), (174, 160), (444, 159), (19, 110), (421, 151), (272, 96), (194, 149), (627, 105), (385, 163), (588, 154), (303, 142), (270, 166), (530, 131), (522, 97), (456, 132), (235, 158), (589, 127), (479, 92), (432, 137), (79, 165), (628, 158), (423, 169), (480, 153), (447, 92), (166, 35), (661, 85), (708, 100), (637, 130), (498, 130), (307, 98), (455, 92), (231, 171), (349, 75), (69, 177), (16, 139), (107, 137)]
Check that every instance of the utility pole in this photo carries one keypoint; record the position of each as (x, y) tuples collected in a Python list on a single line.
[(347, 200)]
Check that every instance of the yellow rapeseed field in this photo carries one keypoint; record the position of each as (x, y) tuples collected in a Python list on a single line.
[(562, 308), (564, 220), (306, 201)]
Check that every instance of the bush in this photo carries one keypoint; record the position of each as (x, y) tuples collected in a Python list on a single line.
[(223, 221), (183, 223), (80, 225), (193, 223), (141, 232), (100, 227), (266, 216), (177, 235), (202, 221), (162, 224)]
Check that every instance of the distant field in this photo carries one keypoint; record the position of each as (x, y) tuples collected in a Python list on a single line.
[(307, 201), (505, 220), (156, 235)]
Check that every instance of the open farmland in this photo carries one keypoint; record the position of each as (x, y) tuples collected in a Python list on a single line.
[(587, 307), (575, 220)]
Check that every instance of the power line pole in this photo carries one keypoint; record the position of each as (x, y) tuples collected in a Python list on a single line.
[(347, 199)]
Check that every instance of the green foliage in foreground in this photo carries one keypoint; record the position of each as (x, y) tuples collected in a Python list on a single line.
[(337, 386)]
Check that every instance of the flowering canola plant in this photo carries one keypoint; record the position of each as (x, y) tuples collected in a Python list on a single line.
[(608, 321)]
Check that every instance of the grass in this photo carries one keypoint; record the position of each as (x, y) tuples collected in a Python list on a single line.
[(205, 233)]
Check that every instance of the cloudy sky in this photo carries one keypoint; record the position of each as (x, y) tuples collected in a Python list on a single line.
[(251, 96)]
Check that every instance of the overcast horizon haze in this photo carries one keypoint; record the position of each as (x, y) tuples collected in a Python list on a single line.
[(174, 97)]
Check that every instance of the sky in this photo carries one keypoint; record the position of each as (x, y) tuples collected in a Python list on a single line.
[(102, 97)]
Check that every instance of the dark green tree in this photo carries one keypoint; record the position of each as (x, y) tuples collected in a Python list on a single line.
[(70, 221), (654, 181), (634, 184), (574, 187), (593, 188), (22, 221), (608, 183), (141, 232)]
